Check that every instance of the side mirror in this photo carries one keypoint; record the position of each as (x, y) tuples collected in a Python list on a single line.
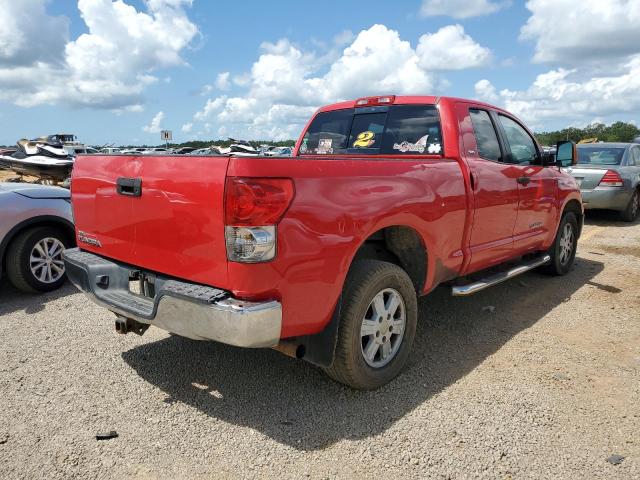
[(566, 154)]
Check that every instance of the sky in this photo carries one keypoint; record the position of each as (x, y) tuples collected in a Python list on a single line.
[(118, 72)]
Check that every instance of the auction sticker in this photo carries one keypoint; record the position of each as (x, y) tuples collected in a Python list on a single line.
[(325, 146)]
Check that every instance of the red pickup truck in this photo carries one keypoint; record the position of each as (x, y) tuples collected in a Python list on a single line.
[(323, 255)]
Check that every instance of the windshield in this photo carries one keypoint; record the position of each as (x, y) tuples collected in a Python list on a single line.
[(600, 156), (396, 129)]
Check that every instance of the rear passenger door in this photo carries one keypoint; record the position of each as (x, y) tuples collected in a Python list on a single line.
[(494, 186), (537, 187)]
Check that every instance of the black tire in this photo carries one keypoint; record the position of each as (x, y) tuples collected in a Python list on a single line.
[(561, 264), (366, 279), (630, 214), (18, 259)]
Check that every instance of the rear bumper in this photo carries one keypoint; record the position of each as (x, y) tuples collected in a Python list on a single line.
[(187, 309), (610, 198)]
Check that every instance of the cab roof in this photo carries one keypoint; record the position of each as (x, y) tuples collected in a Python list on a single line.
[(405, 100)]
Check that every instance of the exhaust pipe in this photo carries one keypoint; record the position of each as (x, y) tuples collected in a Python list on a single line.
[(291, 349)]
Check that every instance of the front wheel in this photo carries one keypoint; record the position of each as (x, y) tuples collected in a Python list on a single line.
[(563, 250), (377, 325)]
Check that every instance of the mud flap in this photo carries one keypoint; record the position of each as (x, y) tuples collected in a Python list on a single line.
[(320, 348)]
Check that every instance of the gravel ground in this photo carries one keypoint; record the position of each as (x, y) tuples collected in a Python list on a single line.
[(545, 386)]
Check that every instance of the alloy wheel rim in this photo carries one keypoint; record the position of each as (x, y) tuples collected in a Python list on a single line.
[(566, 244), (634, 206), (382, 328), (45, 260)]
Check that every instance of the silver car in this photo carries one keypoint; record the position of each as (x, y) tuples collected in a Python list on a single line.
[(609, 177), (36, 225)]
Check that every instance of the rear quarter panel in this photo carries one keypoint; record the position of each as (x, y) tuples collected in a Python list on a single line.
[(339, 202)]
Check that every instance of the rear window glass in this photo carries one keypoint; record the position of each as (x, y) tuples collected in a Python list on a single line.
[(600, 156), (397, 129)]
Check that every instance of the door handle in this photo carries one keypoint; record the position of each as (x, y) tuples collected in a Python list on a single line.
[(131, 187), (524, 180)]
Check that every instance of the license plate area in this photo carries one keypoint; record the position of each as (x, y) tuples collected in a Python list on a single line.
[(142, 284)]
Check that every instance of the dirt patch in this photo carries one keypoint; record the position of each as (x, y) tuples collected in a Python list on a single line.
[(632, 250)]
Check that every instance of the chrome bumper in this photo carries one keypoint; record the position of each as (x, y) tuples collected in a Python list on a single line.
[(186, 309)]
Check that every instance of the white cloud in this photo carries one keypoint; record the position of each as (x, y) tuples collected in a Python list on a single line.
[(485, 91), (460, 8), (108, 67), (29, 35), (570, 32), (286, 84), (450, 48), (212, 106), (187, 127), (222, 81), (156, 124), (564, 94)]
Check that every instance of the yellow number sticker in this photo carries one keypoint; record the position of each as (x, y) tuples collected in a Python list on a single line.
[(364, 139)]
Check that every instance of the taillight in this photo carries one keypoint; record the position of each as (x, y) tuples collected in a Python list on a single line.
[(253, 208), (611, 179)]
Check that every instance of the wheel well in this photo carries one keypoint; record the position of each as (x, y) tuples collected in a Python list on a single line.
[(400, 245), (48, 221), (575, 207)]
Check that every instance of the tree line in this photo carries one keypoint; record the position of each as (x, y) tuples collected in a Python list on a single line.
[(616, 132)]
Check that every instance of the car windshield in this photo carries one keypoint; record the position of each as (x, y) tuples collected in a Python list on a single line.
[(600, 155), (396, 129)]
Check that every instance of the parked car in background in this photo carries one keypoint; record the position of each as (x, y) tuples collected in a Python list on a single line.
[(156, 151), (36, 225), (182, 150), (132, 151), (609, 177), (323, 255), (203, 151), (279, 152), (110, 150), (73, 150)]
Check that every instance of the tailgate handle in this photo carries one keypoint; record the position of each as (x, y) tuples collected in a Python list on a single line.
[(132, 187)]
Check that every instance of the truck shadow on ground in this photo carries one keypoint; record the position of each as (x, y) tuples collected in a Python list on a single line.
[(606, 218), (295, 404), (13, 300)]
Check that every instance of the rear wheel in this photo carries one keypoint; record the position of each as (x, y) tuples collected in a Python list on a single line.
[(563, 250), (630, 214), (34, 259), (377, 325)]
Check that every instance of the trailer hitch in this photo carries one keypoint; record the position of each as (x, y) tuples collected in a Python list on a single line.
[(125, 325)]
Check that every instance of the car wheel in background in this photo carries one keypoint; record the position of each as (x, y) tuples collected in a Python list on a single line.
[(563, 250), (377, 325), (34, 259), (630, 214)]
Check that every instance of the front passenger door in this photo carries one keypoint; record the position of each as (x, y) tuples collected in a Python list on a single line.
[(494, 189), (537, 188)]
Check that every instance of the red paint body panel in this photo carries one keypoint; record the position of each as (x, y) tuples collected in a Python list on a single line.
[(466, 224), (175, 227)]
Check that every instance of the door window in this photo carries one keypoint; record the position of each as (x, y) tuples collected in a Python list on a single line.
[(486, 138), (523, 148)]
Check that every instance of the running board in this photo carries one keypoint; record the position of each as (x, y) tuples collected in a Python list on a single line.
[(470, 289)]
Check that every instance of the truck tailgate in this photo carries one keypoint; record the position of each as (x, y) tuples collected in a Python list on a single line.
[(175, 226)]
